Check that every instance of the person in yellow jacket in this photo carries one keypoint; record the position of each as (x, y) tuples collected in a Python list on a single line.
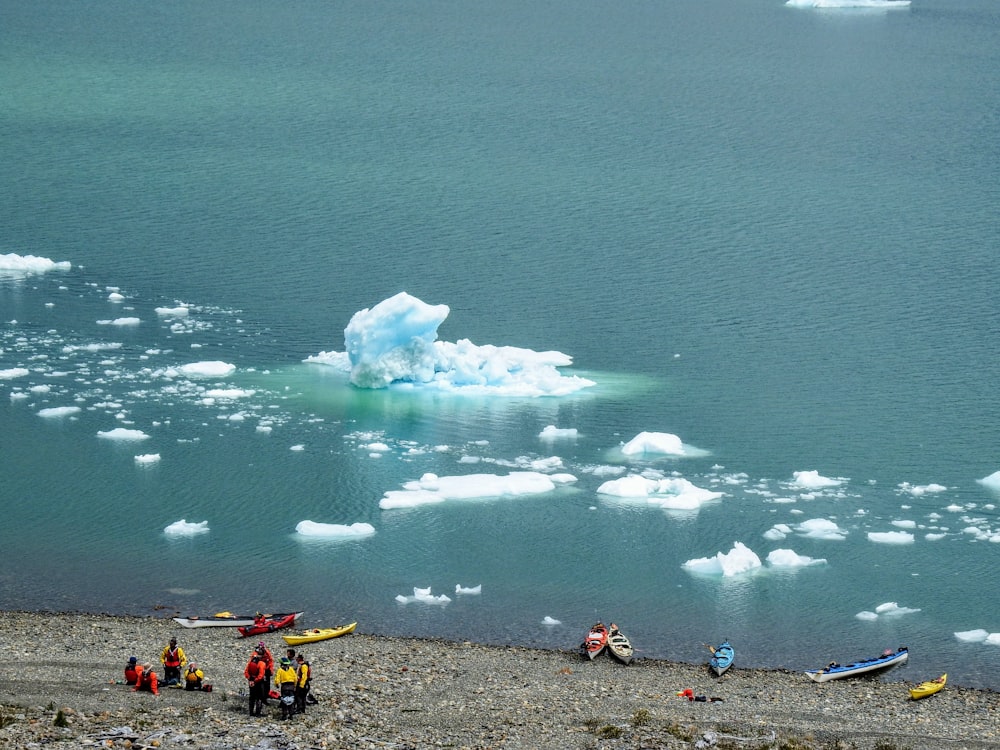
[(172, 659), (286, 679), (302, 684), (193, 677)]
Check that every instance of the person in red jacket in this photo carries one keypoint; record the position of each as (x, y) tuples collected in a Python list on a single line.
[(146, 679), (131, 671), (265, 656), (259, 685)]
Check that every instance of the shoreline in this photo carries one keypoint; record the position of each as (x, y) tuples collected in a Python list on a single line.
[(386, 691)]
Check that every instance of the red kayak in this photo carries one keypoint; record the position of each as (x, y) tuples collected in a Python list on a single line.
[(596, 641), (269, 623)]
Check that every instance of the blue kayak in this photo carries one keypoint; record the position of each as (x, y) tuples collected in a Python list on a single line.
[(722, 658), (834, 671)]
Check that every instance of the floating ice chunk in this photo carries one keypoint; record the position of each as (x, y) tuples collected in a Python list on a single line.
[(148, 458), (973, 636), (993, 639), (821, 528), (786, 558), (40, 388), (423, 595), (376, 447), (333, 530), (13, 264), (934, 536), (214, 369), (673, 493), (654, 442), (890, 537), (298, 447), (919, 490), (183, 528), (811, 480), (120, 322), (172, 312), (395, 342), (740, 559), (116, 297), (905, 524), (550, 621), (992, 481), (551, 432), (14, 372), (121, 433), (892, 609), (55, 412), (866, 615), (468, 590), (431, 488), (229, 394)]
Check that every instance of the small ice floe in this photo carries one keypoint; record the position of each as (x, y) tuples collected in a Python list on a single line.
[(890, 537), (214, 369), (299, 447), (183, 528), (918, 490), (740, 559), (333, 530), (431, 488), (786, 558), (468, 590), (147, 458), (888, 609), (423, 595), (172, 312), (778, 532), (13, 372), (973, 636), (813, 480), (671, 493), (821, 528), (120, 322), (56, 412), (550, 621), (123, 434), (551, 432), (663, 443), (12, 264)]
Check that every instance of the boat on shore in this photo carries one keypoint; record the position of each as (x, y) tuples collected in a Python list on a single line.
[(619, 646), (722, 658), (928, 688), (218, 620), (834, 671), (318, 634), (269, 623), (596, 641)]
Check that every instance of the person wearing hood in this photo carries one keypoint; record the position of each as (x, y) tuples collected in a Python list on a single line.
[(132, 669)]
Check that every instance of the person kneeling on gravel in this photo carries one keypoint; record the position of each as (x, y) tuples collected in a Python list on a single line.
[(193, 677), (146, 680)]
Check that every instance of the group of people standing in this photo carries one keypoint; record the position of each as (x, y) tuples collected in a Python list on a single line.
[(292, 680), (143, 677)]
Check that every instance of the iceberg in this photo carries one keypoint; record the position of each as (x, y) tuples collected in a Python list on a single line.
[(13, 264), (423, 595), (671, 493), (740, 559), (396, 343), (333, 530), (431, 488), (183, 528)]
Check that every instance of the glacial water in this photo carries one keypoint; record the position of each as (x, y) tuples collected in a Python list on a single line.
[(768, 230)]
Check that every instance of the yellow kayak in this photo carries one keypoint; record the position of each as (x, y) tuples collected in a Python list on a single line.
[(318, 634), (928, 688)]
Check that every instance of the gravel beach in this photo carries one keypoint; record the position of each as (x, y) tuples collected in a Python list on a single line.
[(387, 692)]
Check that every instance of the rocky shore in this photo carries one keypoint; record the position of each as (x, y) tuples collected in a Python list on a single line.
[(60, 685)]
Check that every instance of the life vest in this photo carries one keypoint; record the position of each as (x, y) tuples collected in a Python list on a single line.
[(172, 658), (305, 675)]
